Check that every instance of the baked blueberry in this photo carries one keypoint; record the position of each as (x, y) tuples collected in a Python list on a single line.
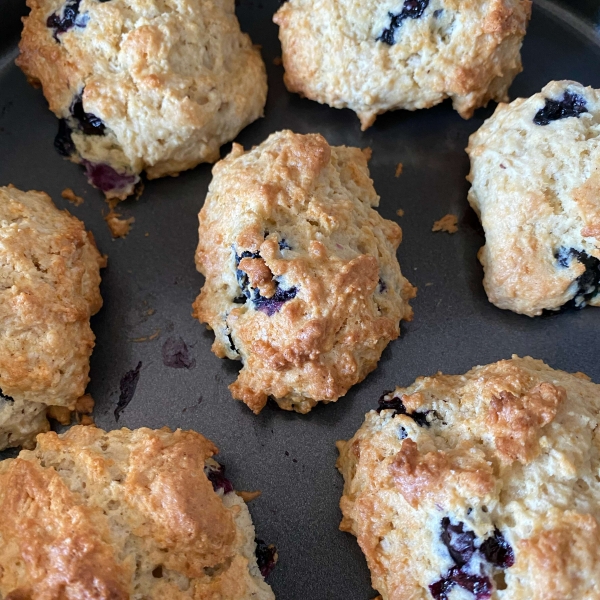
[(570, 105), (412, 9)]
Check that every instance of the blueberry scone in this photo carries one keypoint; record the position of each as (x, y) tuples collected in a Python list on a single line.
[(373, 56), (142, 84), (49, 288), (480, 486), (302, 280), (535, 174), (124, 515)]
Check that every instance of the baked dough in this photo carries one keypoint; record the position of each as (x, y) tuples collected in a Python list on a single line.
[(49, 289), (480, 486), (123, 515), (535, 174), (373, 56), (142, 84), (302, 280)]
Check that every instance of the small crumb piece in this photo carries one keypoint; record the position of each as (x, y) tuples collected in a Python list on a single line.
[(150, 312), (103, 261), (399, 168), (400, 212), (86, 420), (428, 284), (147, 338), (277, 61), (118, 227), (368, 152), (71, 196), (84, 404), (59, 413), (248, 496), (146, 234), (448, 223), (582, 376)]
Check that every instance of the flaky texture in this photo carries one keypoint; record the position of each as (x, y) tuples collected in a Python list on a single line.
[(49, 288), (490, 475), (170, 82), (123, 515), (536, 189), (348, 53), (302, 280)]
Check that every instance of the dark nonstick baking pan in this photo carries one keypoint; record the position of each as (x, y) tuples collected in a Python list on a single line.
[(151, 281)]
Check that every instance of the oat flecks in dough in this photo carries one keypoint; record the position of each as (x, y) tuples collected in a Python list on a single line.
[(125, 514), (448, 223), (535, 174), (50, 277), (302, 280), (142, 86), (337, 52), (463, 482)]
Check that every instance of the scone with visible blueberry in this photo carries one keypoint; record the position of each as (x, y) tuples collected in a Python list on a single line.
[(49, 289), (302, 280), (374, 56), (124, 515), (142, 85), (535, 174), (480, 486)]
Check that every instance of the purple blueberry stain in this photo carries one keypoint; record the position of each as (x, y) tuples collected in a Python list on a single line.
[(412, 9), (570, 105), (216, 475), (459, 541), (107, 179), (176, 354), (588, 283), (498, 551), (61, 21), (266, 557), (394, 403), (127, 387)]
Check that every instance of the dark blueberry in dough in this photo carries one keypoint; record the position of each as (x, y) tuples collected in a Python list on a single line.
[(266, 557), (68, 19), (498, 551), (63, 142), (381, 286), (89, 123), (231, 344), (6, 398), (588, 283), (216, 475), (242, 278), (459, 541), (412, 9), (570, 105), (105, 178), (439, 590), (479, 585), (283, 245), (396, 404)]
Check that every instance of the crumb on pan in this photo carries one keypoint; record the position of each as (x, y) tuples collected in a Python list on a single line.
[(277, 61), (248, 496), (399, 168), (400, 212), (448, 223), (59, 413), (72, 197)]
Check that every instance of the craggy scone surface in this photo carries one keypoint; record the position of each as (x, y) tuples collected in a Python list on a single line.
[(302, 280), (123, 515), (49, 288), (479, 486), (142, 84), (535, 174), (373, 56)]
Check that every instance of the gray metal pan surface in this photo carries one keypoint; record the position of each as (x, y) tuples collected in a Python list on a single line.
[(151, 281)]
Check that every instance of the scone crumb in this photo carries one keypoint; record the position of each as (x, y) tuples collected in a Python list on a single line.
[(278, 61), (118, 227), (368, 152), (59, 413), (85, 404), (86, 420), (582, 376), (248, 496), (72, 197), (147, 338), (399, 168), (400, 212), (448, 223)]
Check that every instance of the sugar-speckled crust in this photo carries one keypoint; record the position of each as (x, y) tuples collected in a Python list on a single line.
[(536, 189), (123, 515), (466, 50), (49, 288), (305, 211), (171, 81), (509, 449)]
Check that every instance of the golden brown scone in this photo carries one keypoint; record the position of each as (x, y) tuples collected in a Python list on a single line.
[(123, 515), (142, 84), (302, 280), (480, 486), (377, 55), (535, 170), (49, 288)]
